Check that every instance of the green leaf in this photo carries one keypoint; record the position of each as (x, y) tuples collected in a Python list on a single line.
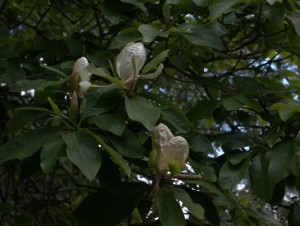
[(149, 32), (286, 108), (295, 17), (233, 140), (27, 143), (195, 209), (115, 156), (54, 107), (103, 74), (294, 216), (155, 61), (35, 84), (199, 143), (136, 3), (230, 175), (111, 122), (50, 153), (259, 178), (6, 207), (4, 31), (13, 73), (279, 156), (203, 109), (100, 100), (141, 110), (132, 149), (170, 212), (125, 36), (236, 158), (175, 117), (109, 209), (109, 175), (83, 151), (219, 7), (202, 35), (54, 70)]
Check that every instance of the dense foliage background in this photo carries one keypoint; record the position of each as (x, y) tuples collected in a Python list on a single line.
[(230, 86)]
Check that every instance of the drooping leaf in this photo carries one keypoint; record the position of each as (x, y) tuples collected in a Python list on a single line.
[(114, 155), (195, 209), (170, 213), (155, 61), (27, 143), (141, 110), (109, 209), (83, 151), (51, 153)]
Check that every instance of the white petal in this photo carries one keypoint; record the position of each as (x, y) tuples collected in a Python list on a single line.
[(79, 68), (83, 87)]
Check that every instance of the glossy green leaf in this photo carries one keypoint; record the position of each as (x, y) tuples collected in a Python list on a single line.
[(259, 177), (170, 213), (141, 110), (125, 36), (149, 32), (230, 175), (195, 209), (83, 151), (132, 147), (219, 7), (108, 208), (50, 153), (155, 61), (27, 143), (114, 155), (111, 122)]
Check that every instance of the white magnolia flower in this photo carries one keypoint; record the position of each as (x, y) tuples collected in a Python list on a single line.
[(169, 148), (79, 69), (129, 63)]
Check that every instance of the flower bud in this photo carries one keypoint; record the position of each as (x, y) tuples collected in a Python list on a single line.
[(79, 69), (169, 149), (129, 62)]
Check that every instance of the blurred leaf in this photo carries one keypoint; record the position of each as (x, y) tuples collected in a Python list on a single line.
[(176, 118), (230, 175), (125, 36), (132, 149), (136, 3), (83, 151), (233, 140), (259, 177), (155, 61), (75, 46), (108, 208), (109, 175), (112, 122), (295, 17), (103, 74), (4, 31), (114, 155), (199, 143), (149, 32), (35, 84), (50, 153), (236, 158), (23, 220), (219, 7), (203, 109), (54, 70), (202, 35), (170, 213), (141, 110), (13, 73), (294, 216), (201, 3), (195, 209), (6, 207), (27, 143)]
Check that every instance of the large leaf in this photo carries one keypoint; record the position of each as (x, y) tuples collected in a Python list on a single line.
[(218, 7), (149, 32), (83, 151), (27, 143), (104, 208), (155, 61), (259, 177), (295, 17), (230, 175), (175, 117), (114, 155), (141, 110), (127, 144), (112, 122), (50, 153), (35, 84), (195, 209), (170, 213), (125, 36)]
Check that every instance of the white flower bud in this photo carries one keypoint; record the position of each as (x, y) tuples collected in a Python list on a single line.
[(129, 62), (83, 87), (168, 148), (79, 69)]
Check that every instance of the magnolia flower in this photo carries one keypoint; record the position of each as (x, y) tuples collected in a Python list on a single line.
[(169, 148), (130, 61)]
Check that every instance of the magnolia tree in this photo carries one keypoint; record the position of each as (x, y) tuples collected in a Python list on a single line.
[(148, 112)]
